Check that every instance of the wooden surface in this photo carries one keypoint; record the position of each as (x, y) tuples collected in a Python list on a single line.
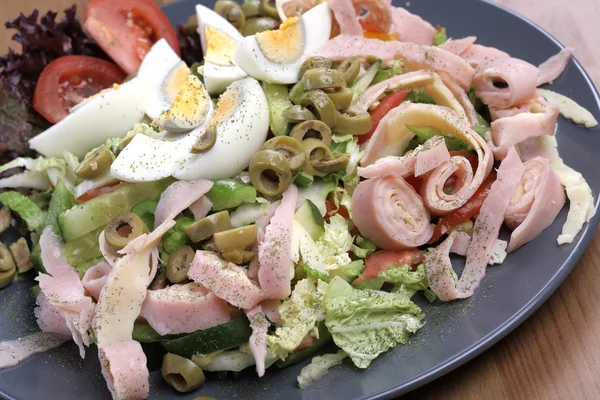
[(556, 353)]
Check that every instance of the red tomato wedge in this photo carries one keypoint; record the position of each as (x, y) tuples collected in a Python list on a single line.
[(90, 194), (381, 260), (468, 211), (389, 102), (331, 210), (126, 29), (66, 81)]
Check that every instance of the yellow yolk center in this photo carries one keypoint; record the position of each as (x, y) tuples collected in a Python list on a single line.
[(219, 47), (228, 104), (283, 45)]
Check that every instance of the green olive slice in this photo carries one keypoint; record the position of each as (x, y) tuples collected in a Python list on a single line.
[(329, 165), (341, 99), (323, 78), (316, 150), (7, 277), (312, 130), (235, 239), (321, 105), (270, 172), (208, 226), (260, 24), (353, 121), (349, 68), (123, 229), (95, 164), (179, 264), (160, 282), (314, 62), (232, 12), (21, 255), (6, 260), (291, 148), (238, 256), (298, 114), (123, 144), (268, 9), (181, 374), (251, 9), (206, 141)]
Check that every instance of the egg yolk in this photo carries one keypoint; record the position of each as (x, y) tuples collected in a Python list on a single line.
[(191, 104), (219, 47), (174, 80), (227, 105), (283, 45)]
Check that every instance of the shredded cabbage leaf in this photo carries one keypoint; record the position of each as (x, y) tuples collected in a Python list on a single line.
[(319, 367), (26, 208)]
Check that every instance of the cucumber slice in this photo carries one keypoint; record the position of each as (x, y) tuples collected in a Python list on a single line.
[(84, 248), (309, 216), (96, 213), (304, 180), (278, 101)]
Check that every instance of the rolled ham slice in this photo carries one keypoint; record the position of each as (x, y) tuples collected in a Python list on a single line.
[(124, 369), (416, 56), (536, 203), (463, 99), (389, 212), (554, 66), (95, 278), (479, 56), (228, 281), (411, 28), (519, 76), (275, 251), (183, 309), (458, 46)]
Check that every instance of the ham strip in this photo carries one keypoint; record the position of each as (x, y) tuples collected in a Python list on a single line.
[(411, 28), (389, 212), (479, 252), (261, 225), (49, 318), (107, 251), (430, 155), (271, 309), (520, 76), (95, 278), (183, 309), (536, 204), (177, 197), (346, 17), (416, 56), (554, 66), (124, 369), (458, 46), (479, 56), (258, 339), (64, 291), (378, 17), (228, 281), (275, 251), (201, 207), (389, 166)]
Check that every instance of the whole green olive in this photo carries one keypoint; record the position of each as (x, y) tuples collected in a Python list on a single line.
[(259, 24)]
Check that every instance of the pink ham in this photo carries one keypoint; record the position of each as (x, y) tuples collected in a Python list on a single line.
[(183, 309), (430, 155), (554, 66), (258, 339), (389, 166), (271, 310), (411, 28), (479, 56), (109, 254), (535, 205), (95, 278), (346, 17), (346, 12), (201, 207), (389, 212), (64, 291), (275, 251), (416, 56), (520, 76), (485, 235), (462, 98), (177, 197), (508, 131), (49, 318), (261, 225), (458, 46), (228, 281), (124, 368)]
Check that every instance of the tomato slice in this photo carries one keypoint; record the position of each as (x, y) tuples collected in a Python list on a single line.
[(90, 194), (332, 210), (126, 29), (390, 102), (66, 81), (381, 260), (467, 211), (469, 155)]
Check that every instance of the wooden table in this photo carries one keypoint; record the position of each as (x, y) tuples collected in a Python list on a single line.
[(556, 353)]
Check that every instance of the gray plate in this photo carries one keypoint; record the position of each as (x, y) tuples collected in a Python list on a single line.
[(454, 333)]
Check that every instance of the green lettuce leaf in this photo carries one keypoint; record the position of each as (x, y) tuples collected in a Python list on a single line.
[(62, 200), (348, 272), (336, 242), (363, 247), (26, 208), (366, 323), (440, 37)]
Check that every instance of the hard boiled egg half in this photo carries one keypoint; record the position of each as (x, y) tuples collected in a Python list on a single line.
[(219, 39), (276, 56)]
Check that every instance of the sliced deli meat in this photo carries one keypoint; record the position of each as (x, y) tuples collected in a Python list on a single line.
[(459, 46), (179, 196), (411, 28), (124, 369), (258, 339), (554, 66), (95, 278)]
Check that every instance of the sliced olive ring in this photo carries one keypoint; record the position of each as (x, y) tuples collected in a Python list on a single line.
[(181, 374), (296, 93), (123, 229), (206, 141), (179, 264), (312, 130), (235, 239), (321, 105), (329, 165), (208, 226), (251, 9), (298, 114), (349, 68), (323, 78), (267, 9), (291, 148), (95, 164), (238, 256), (232, 12), (353, 121), (316, 151), (160, 282), (259, 24), (270, 172), (314, 62), (341, 99)]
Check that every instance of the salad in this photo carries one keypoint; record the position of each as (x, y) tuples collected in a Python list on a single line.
[(268, 179)]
